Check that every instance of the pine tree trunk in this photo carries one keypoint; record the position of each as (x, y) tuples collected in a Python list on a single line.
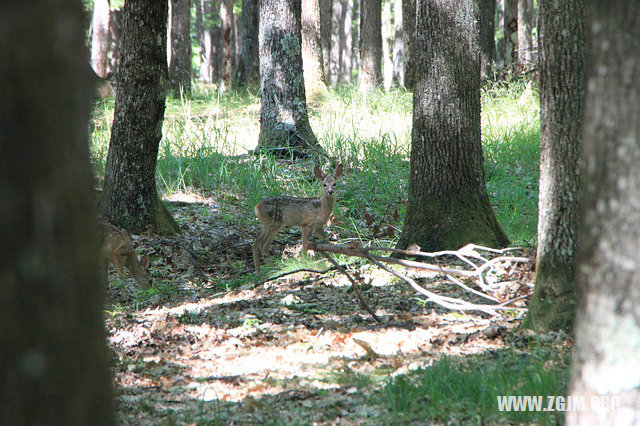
[(129, 198), (54, 366), (180, 51), (226, 44), (326, 7), (370, 44), (525, 42), (409, 40), (284, 122), (511, 31), (398, 45), (448, 203), (312, 49), (100, 37), (605, 359), (248, 46), (487, 37), (561, 67)]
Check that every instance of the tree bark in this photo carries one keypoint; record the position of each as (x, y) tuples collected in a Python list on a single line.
[(100, 37), (409, 40), (129, 198), (334, 66), (562, 39), (487, 37), (312, 49), (248, 47), (326, 6), (210, 56), (370, 44), (525, 42), (387, 45), (180, 47), (284, 122), (448, 203), (398, 45), (346, 23), (355, 39), (226, 44), (501, 43), (54, 366), (605, 359), (511, 31)]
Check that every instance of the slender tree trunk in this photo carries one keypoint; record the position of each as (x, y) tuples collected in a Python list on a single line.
[(226, 44), (100, 37), (54, 366), (312, 49), (355, 39), (248, 46), (511, 31), (210, 55), (334, 66), (326, 7), (605, 359), (448, 202), (409, 40), (284, 122), (387, 45), (487, 37), (398, 45), (129, 198), (180, 47), (525, 42), (561, 67), (370, 44), (501, 42), (346, 40)]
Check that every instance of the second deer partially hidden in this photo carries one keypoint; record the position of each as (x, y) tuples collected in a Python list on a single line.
[(311, 214)]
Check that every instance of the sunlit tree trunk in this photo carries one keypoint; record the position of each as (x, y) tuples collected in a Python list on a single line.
[(346, 25), (284, 123), (388, 36), (100, 37), (525, 23), (398, 45), (370, 44), (355, 40), (180, 46), (129, 197), (210, 56), (334, 66), (409, 40), (226, 44), (605, 359), (54, 365), (487, 37), (312, 49), (448, 203), (326, 7)]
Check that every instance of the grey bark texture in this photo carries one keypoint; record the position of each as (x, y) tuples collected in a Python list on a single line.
[(247, 66), (346, 25), (180, 52), (100, 37), (312, 49), (115, 36), (54, 365), (561, 64), (210, 55), (129, 197), (448, 204), (326, 7), (226, 44), (409, 41), (370, 44), (511, 31), (487, 37), (398, 45), (605, 357), (284, 122), (525, 27)]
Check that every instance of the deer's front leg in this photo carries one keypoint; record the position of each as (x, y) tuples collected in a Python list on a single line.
[(306, 234), (319, 231)]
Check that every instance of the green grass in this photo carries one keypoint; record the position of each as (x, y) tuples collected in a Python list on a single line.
[(454, 391), (205, 136)]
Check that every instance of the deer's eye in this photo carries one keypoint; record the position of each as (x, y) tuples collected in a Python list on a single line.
[(325, 184)]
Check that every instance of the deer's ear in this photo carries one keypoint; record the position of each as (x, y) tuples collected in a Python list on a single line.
[(319, 173), (144, 262), (338, 172)]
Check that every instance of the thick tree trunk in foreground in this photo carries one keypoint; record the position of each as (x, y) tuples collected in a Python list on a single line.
[(525, 24), (129, 198), (409, 41), (312, 49), (562, 42), (180, 52), (370, 44), (487, 37), (54, 366), (284, 122), (448, 202), (246, 66), (605, 361), (100, 37)]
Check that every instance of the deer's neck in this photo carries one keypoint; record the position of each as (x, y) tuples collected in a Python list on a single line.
[(327, 201)]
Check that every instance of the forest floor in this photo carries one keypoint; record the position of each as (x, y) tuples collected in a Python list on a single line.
[(241, 349)]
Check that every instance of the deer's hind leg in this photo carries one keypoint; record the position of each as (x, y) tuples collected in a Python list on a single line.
[(257, 246), (270, 234)]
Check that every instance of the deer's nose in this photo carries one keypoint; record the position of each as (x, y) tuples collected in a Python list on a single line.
[(329, 191)]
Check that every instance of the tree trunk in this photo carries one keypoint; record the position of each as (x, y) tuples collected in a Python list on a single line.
[(398, 45), (334, 66), (511, 31), (355, 39), (370, 44), (54, 366), (561, 67), (387, 45), (409, 40), (448, 203), (605, 359), (248, 46), (129, 198), (100, 37), (487, 37), (210, 56), (312, 49), (501, 43), (180, 51), (326, 7), (284, 122), (346, 24), (226, 47), (525, 42)]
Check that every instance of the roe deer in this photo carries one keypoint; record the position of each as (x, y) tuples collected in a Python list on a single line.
[(118, 249), (309, 213)]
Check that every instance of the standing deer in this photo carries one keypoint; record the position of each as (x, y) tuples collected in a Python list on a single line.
[(118, 249), (309, 213)]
